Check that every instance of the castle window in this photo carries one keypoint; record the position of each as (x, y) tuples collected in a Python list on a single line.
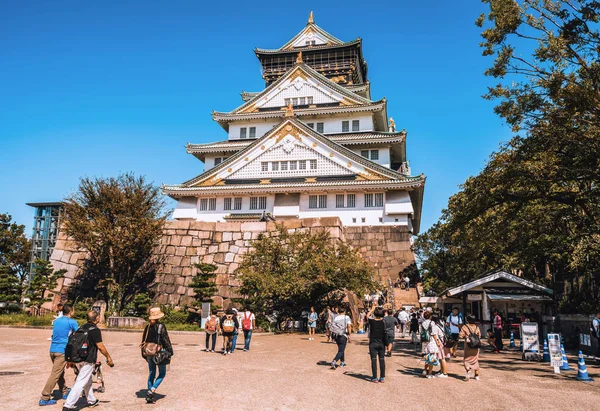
[(293, 165), (339, 201), (351, 200), (313, 164), (345, 126), (311, 125), (243, 132), (258, 203), (319, 127), (227, 202), (264, 166), (252, 132), (364, 153), (208, 204), (237, 203), (284, 166), (317, 201), (275, 166), (309, 100), (302, 165), (355, 125), (374, 154)]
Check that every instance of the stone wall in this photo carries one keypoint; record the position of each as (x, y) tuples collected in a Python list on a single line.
[(223, 244)]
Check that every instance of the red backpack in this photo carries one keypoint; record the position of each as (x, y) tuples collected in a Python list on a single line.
[(247, 321), (211, 325)]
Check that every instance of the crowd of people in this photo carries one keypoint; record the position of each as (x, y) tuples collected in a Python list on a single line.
[(435, 338)]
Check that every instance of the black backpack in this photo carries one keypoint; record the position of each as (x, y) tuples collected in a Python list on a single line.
[(78, 346), (473, 340)]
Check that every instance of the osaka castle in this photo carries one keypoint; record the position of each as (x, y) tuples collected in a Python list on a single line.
[(312, 143)]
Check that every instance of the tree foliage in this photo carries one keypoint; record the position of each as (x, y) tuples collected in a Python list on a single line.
[(534, 209), (119, 222), (203, 283), (15, 248), (43, 282), (288, 271), (10, 287)]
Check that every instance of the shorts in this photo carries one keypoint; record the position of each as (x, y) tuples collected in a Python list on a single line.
[(312, 325), (455, 337), (390, 338)]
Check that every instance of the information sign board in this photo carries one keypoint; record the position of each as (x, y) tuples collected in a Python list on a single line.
[(554, 350), (529, 336)]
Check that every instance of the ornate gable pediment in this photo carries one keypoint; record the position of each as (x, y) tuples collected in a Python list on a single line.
[(301, 82), (308, 37), (289, 145)]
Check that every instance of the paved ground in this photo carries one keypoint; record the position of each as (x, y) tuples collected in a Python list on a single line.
[(289, 372)]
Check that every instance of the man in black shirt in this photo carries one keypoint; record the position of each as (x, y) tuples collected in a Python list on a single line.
[(83, 383)]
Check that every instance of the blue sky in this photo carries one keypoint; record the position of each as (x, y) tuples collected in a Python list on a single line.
[(100, 88)]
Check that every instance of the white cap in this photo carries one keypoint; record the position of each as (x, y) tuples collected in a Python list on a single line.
[(429, 309)]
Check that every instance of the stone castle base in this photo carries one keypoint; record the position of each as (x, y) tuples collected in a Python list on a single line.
[(386, 248)]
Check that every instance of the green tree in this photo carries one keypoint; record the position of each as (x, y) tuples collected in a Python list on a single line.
[(119, 222), (203, 282), (535, 207), (10, 287), (287, 272), (15, 248), (43, 282)]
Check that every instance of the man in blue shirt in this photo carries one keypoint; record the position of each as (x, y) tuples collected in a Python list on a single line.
[(62, 328)]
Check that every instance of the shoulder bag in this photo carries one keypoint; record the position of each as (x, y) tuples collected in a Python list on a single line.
[(149, 349), (162, 355)]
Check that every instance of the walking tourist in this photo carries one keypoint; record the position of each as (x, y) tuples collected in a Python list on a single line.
[(331, 313), (497, 326), (391, 323), (211, 328), (63, 327), (455, 321), (377, 343), (85, 343), (414, 329), (248, 324), (470, 332), (236, 332), (442, 343), (229, 324), (312, 323), (157, 349), (430, 335), (407, 282), (341, 328), (403, 319)]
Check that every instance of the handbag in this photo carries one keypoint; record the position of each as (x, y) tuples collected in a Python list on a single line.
[(150, 349), (162, 355)]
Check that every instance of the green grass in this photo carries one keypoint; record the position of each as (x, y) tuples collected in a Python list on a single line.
[(24, 320)]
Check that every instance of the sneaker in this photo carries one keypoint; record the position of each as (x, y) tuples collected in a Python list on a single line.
[(382, 380), (477, 378), (47, 402), (150, 397), (333, 365), (343, 364), (430, 376), (440, 375), (245, 350), (467, 376), (66, 394), (424, 373), (207, 350), (375, 380), (93, 404)]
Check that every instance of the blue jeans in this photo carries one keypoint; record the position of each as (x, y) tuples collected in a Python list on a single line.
[(153, 381), (235, 335), (247, 339)]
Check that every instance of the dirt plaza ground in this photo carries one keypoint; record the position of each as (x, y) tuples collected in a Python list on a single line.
[(288, 372)]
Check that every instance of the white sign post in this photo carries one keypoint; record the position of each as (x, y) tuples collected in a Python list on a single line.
[(555, 352), (529, 336)]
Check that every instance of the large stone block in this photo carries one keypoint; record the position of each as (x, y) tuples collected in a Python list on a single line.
[(208, 258), (217, 237), (237, 236), (213, 249), (234, 249), (187, 271), (232, 267), (219, 258), (176, 240), (177, 270), (177, 224), (254, 226), (292, 223), (180, 251), (227, 236), (232, 226), (66, 257), (202, 226), (331, 221), (186, 240), (223, 247), (229, 257)]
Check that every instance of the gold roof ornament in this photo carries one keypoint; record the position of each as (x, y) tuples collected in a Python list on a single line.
[(299, 58), (311, 18), (289, 112)]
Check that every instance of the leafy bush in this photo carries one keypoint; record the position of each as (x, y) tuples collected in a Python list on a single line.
[(139, 306), (24, 320)]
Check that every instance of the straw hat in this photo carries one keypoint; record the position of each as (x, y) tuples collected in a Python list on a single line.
[(156, 313)]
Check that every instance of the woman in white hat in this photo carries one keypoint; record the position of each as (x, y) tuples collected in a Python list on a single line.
[(157, 349)]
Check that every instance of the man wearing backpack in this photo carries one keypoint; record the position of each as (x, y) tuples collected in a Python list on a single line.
[(455, 321), (62, 327), (229, 323), (211, 328), (248, 324), (82, 349)]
